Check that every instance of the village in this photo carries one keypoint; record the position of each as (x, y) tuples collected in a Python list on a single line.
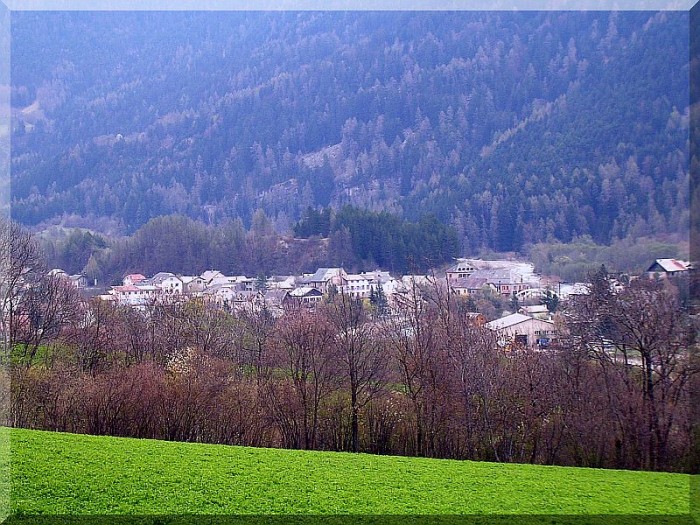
[(527, 321)]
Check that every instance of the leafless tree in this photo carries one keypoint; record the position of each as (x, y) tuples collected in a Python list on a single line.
[(92, 336), (251, 338), (47, 306), (21, 266), (305, 348), (640, 335), (412, 339), (363, 358)]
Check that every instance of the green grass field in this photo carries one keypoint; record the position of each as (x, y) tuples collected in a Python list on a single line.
[(55, 473)]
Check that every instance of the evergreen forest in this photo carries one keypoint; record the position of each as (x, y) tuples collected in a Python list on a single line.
[(507, 128)]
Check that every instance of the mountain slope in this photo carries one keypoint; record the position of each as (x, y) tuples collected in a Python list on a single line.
[(514, 127)]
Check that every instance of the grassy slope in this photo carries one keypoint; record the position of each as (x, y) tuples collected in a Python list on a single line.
[(74, 474)]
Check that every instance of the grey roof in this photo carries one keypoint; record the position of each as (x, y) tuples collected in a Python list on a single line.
[(324, 274), (211, 274), (303, 291), (535, 309), (275, 297), (462, 266), (508, 321), (496, 275), (161, 276), (377, 275), (470, 283)]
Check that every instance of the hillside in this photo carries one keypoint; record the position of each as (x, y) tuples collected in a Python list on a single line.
[(55, 473), (514, 128)]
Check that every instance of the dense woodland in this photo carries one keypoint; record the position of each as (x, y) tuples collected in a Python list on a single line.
[(427, 381), (353, 238), (512, 128)]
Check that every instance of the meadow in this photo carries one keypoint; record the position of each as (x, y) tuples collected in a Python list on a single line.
[(57, 474)]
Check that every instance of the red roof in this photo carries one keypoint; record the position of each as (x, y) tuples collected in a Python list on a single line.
[(670, 265), (125, 288)]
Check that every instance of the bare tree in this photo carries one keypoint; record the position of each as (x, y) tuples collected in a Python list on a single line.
[(412, 338), (364, 360), (47, 306), (644, 337), (21, 266), (476, 362), (251, 338), (305, 346)]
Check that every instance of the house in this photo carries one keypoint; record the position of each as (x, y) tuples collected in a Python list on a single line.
[(522, 330), (463, 269), (506, 281), (273, 301), (210, 275), (192, 284), (172, 285), (134, 294), (476, 318), (378, 276), (281, 282), (361, 285), (568, 290), (304, 296), (251, 301), (79, 281), (358, 286), (324, 278), (538, 311), (465, 286), (167, 282), (133, 278), (222, 294), (240, 282), (408, 292), (57, 272), (664, 268)]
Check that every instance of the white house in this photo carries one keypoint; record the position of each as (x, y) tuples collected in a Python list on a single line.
[(282, 282), (172, 285), (57, 272), (358, 286), (79, 281), (210, 275), (134, 295), (168, 283), (469, 285), (538, 311)]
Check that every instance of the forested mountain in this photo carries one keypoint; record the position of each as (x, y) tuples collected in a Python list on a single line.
[(513, 128)]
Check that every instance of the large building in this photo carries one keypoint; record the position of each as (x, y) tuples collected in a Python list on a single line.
[(522, 330)]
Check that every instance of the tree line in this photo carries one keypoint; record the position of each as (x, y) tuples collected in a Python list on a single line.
[(427, 381), (358, 240)]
